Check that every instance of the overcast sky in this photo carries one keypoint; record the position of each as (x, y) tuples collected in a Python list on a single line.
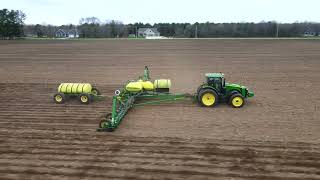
[(58, 12)]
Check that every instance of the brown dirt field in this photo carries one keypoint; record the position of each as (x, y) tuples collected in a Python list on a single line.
[(276, 135)]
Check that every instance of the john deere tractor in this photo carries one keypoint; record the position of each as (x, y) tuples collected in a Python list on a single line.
[(216, 90)]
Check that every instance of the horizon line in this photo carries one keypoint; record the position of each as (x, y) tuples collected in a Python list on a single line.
[(192, 23)]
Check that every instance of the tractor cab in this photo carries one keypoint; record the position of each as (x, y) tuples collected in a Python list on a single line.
[(216, 80)]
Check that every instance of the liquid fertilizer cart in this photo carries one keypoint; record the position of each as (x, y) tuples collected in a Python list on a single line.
[(85, 92), (143, 92)]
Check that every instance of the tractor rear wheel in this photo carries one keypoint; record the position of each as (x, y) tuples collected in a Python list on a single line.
[(59, 98), (208, 98), (85, 98), (236, 100)]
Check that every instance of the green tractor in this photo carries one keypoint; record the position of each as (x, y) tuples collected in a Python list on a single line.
[(216, 90)]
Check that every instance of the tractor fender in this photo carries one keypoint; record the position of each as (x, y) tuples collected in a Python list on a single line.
[(200, 88), (232, 93)]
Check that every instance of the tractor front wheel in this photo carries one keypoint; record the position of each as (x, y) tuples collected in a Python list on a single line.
[(59, 98), (85, 98), (208, 98), (236, 100)]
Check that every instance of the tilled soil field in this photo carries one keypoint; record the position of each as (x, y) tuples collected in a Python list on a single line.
[(276, 135)]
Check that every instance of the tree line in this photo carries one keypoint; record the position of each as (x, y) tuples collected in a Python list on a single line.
[(12, 25), (116, 29)]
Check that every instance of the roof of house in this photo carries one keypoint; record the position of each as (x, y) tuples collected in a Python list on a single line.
[(141, 30), (61, 30), (67, 31)]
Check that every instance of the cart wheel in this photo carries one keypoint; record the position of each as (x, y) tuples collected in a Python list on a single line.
[(85, 98), (236, 100), (95, 91), (59, 98), (104, 123)]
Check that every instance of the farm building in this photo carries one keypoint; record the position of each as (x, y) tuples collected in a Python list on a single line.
[(63, 33), (148, 32), (311, 33)]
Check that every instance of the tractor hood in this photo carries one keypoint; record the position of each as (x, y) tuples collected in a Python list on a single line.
[(235, 86), (240, 88), (231, 85)]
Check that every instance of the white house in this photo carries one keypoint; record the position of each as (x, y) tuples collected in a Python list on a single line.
[(148, 32), (311, 33), (63, 33), (60, 34)]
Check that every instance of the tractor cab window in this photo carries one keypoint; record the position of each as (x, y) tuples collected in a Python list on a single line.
[(210, 80), (216, 82)]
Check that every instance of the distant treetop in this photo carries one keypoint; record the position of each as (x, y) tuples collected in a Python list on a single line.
[(11, 23)]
